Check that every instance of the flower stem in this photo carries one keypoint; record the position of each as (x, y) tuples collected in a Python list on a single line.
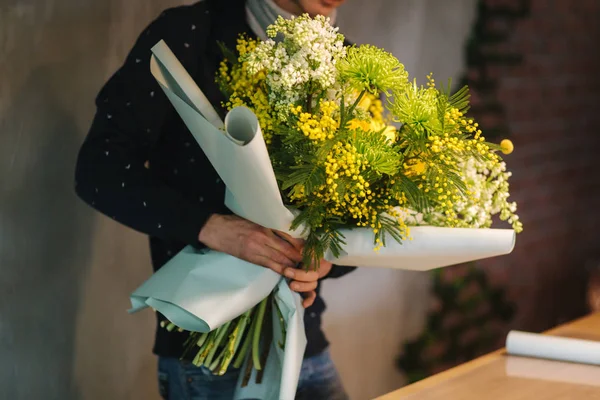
[(260, 314), (202, 339), (220, 334), (192, 342), (241, 355), (281, 324), (342, 108), (215, 363), (266, 338), (234, 342), (204, 349), (309, 98), (348, 114)]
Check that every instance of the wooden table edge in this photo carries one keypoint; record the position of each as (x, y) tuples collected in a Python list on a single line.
[(463, 368)]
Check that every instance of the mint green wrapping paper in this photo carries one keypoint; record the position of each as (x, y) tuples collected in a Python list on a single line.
[(282, 370), (201, 291)]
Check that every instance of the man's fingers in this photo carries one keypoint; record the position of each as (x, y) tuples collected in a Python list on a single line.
[(263, 249), (301, 275), (283, 247), (309, 299), (302, 287), (269, 263), (279, 258), (297, 243)]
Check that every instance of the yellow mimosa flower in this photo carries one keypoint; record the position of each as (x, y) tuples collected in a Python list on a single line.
[(359, 124), (419, 168)]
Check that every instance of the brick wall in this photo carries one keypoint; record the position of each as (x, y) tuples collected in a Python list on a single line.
[(539, 82)]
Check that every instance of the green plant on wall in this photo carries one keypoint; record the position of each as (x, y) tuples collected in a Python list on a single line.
[(467, 319)]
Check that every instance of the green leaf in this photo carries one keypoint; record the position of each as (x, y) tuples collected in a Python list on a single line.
[(229, 55), (460, 99), (319, 242), (390, 226), (310, 175), (414, 195)]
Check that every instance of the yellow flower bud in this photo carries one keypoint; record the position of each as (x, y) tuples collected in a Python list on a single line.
[(507, 146)]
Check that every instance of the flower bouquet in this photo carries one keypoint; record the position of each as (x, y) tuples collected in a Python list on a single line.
[(308, 149)]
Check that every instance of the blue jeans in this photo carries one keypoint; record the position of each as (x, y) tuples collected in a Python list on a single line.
[(180, 380)]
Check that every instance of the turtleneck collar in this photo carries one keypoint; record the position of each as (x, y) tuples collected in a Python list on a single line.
[(262, 13)]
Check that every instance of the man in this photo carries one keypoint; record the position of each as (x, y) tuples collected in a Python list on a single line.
[(140, 166)]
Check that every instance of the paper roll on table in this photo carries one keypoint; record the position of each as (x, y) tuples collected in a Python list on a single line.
[(553, 347)]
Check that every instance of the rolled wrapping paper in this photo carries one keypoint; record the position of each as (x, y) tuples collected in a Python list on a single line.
[(428, 247), (553, 347), (238, 154)]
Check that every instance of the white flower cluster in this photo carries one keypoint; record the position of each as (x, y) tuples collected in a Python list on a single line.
[(303, 62), (488, 186)]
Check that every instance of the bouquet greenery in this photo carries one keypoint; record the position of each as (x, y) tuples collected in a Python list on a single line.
[(342, 161)]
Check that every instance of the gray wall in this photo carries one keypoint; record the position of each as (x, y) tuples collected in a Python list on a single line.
[(65, 272)]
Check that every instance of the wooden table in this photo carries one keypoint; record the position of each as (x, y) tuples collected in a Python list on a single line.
[(498, 376)]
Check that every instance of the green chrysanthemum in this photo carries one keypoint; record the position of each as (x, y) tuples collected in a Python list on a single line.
[(372, 69), (416, 107)]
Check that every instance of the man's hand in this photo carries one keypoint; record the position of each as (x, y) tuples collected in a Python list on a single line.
[(248, 241), (279, 252), (306, 282)]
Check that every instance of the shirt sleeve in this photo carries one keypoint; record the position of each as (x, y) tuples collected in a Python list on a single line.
[(338, 271), (112, 173)]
